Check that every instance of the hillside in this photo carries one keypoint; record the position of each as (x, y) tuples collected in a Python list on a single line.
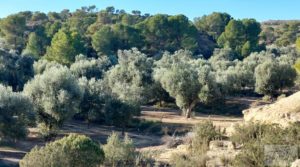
[(282, 112)]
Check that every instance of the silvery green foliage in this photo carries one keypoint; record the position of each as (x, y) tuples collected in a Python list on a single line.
[(56, 95), (272, 76), (131, 78), (90, 67), (187, 80), (15, 70), (15, 109), (43, 64), (93, 100), (240, 75), (286, 54), (222, 59)]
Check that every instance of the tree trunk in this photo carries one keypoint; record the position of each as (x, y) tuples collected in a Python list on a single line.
[(188, 111), (123, 130)]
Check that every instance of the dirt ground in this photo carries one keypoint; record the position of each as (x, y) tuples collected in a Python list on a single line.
[(170, 118)]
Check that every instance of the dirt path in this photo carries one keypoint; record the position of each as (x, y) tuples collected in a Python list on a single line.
[(172, 116)]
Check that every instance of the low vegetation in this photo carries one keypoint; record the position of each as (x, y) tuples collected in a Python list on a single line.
[(254, 138), (73, 150)]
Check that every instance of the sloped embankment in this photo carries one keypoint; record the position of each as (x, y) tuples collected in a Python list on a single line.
[(282, 112)]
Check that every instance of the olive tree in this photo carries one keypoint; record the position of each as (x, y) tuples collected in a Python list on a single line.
[(130, 79), (187, 80), (93, 100), (15, 109), (43, 65), (70, 151), (90, 67), (272, 76), (15, 70), (55, 95)]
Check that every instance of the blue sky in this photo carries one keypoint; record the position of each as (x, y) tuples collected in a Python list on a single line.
[(259, 9)]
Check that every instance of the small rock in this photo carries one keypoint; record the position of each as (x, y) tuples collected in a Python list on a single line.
[(296, 163), (220, 144)]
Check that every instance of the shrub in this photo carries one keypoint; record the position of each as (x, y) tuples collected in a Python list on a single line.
[(119, 152), (250, 132), (74, 150), (120, 113), (182, 160), (145, 159), (147, 126), (254, 137), (206, 130), (203, 132), (252, 155)]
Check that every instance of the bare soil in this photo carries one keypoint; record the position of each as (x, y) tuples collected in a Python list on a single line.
[(169, 118)]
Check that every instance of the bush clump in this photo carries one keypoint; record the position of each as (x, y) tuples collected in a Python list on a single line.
[(254, 137), (73, 150), (119, 152), (203, 133)]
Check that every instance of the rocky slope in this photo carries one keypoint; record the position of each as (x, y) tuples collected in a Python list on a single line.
[(282, 112)]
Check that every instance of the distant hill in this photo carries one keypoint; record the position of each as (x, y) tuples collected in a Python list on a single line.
[(278, 22)]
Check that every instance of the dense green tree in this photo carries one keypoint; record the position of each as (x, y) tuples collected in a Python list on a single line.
[(13, 28), (56, 96), (127, 37), (70, 151), (168, 33), (104, 41), (252, 30), (214, 24), (38, 16), (81, 19), (34, 46), (241, 36), (109, 39), (234, 35), (65, 45), (53, 16), (51, 28), (15, 111), (188, 80)]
